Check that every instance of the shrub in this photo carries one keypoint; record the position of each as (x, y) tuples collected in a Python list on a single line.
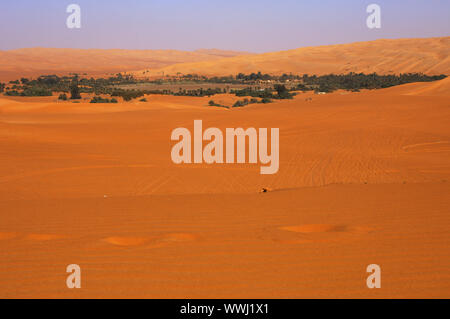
[(282, 92), (239, 104), (99, 99), (12, 93)]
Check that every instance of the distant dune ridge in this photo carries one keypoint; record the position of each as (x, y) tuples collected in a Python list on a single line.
[(428, 55), (39, 61)]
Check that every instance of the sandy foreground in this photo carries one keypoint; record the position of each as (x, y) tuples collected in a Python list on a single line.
[(364, 178)]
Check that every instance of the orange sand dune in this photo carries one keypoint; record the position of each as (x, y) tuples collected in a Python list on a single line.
[(39, 61), (364, 178), (438, 88), (430, 56)]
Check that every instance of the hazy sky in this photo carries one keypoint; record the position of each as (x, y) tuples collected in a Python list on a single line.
[(248, 25)]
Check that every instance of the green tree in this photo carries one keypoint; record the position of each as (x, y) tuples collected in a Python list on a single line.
[(281, 89), (75, 91)]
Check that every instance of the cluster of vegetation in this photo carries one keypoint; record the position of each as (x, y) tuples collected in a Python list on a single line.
[(261, 93), (282, 92), (99, 99), (359, 81), (256, 85), (245, 102), (241, 103), (198, 92), (255, 77), (240, 78), (127, 95), (44, 85), (29, 91)]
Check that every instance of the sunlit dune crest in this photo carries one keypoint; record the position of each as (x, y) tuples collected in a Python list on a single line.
[(426, 55)]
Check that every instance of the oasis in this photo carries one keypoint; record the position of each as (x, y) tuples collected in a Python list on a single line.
[(213, 152)]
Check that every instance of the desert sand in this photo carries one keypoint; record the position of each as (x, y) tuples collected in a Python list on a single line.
[(386, 56), (364, 178), (33, 62)]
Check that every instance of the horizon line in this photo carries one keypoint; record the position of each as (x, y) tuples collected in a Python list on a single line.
[(218, 49)]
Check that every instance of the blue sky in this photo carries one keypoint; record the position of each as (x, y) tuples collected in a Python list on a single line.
[(246, 25)]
